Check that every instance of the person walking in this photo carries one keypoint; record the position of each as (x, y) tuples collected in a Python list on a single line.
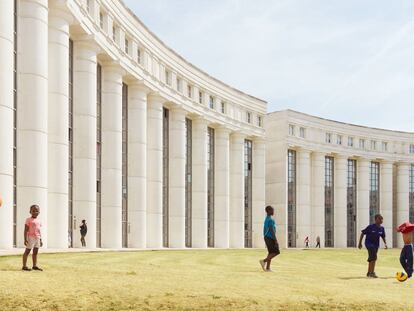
[(83, 231), (318, 242)]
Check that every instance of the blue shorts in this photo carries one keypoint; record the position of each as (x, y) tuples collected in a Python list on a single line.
[(372, 254)]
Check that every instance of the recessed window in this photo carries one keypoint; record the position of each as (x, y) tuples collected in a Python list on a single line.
[(101, 20), (328, 138), (384, 146), (412, 148), (302, 132), (89, 5), (200, 97), (139, 56), (223, 107), (249, 117), (114, 33), (291, 130), (126, 46), (211, 102), (259, 121), (167, 77), (189, 91), (350, 141), (179, 85), (373, 145), (362, 143), (339, 139)]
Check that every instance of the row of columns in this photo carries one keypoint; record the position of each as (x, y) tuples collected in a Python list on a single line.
[(43, 147), (310, 204)]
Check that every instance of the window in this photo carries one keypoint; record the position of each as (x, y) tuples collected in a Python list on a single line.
[(211, 102), (339, 139), (88, 5), (411, 193), (350, 141), (259, 121), (291, 198), (302, 132), (101, 20), (328, 138), (362, 143), (329, 201), (374, 190), (139, 56), (384, 146), (291, 130), (248, 190), (249, 117), (113, 33), (179, 87), (167, 77), (200, 97), (411, 148), (189, 91), (351, 203), (373, 145), (126, 46), (223, 107)]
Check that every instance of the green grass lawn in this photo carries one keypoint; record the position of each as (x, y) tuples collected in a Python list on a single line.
[(205, 280)]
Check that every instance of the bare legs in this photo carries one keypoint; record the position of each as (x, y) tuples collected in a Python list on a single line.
[(34, 257)]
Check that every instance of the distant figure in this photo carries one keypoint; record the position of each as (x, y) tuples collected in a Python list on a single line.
[(32, 238), (83, 231), (372, 241), (269, 232), (406, 256), (318, 242), (307, 242)]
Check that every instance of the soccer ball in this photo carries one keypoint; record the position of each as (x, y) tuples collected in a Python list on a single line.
[(401, 276)]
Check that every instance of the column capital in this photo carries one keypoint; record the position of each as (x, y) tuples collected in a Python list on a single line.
[(86, 42), (223, 130), (113, 67), (156, 98), (58, 9), (200, 121), (238, 135), (318, 154), (178, 110), (139, 86)]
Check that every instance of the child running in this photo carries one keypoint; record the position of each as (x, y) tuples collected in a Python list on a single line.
[(406, 257), (372, 234), (269, 232), (32, 238)]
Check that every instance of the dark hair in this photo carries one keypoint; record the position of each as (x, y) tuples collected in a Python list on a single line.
[(34, 206), (268, 208), (83, 220), (377, 216)]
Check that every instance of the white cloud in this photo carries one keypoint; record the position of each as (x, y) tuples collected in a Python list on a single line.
[(346, 60)]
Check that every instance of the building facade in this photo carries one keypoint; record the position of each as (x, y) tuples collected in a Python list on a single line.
[(329, 179), (100, 120)]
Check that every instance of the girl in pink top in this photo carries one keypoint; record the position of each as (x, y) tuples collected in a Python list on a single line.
[(32, 238)]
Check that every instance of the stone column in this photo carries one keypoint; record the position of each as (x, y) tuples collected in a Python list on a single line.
[(177, 178), (318, 197), (58, 124), (340, 197), (111, 156), (6, 122), (32, 110), (237, 190), (258, 191), (386, 198), (402, 196), (199, 184), (362, 195), (303, 197), (137, 166), (222, 187), (84, 141), (154, 171)]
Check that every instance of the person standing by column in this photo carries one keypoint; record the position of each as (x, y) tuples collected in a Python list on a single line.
[(318, 242), (372, 234), (83, 231), (307, 242)]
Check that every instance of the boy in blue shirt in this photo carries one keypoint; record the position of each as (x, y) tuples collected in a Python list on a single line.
[(269, 232), (372, 235)]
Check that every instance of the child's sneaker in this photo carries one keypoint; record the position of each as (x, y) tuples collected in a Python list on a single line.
[(373, 275), (37, 268), (26, 269), (262, 263)]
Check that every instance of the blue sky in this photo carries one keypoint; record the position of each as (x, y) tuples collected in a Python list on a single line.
[(347, 60)]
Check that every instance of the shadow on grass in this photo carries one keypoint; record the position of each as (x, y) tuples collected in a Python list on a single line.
[(365, 278)]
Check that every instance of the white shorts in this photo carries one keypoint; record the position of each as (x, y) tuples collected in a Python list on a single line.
[(33, 242)]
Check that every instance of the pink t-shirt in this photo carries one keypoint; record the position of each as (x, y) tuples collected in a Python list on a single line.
[(34, 225)]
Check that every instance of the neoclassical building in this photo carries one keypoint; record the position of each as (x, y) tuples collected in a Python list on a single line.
[(100, 120), (329, 179)]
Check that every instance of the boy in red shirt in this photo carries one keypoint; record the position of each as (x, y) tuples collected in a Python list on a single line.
[(406, 257), (32, 238)]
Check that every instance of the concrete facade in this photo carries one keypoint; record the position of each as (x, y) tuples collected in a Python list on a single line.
[(372, 172), (84, 90)]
